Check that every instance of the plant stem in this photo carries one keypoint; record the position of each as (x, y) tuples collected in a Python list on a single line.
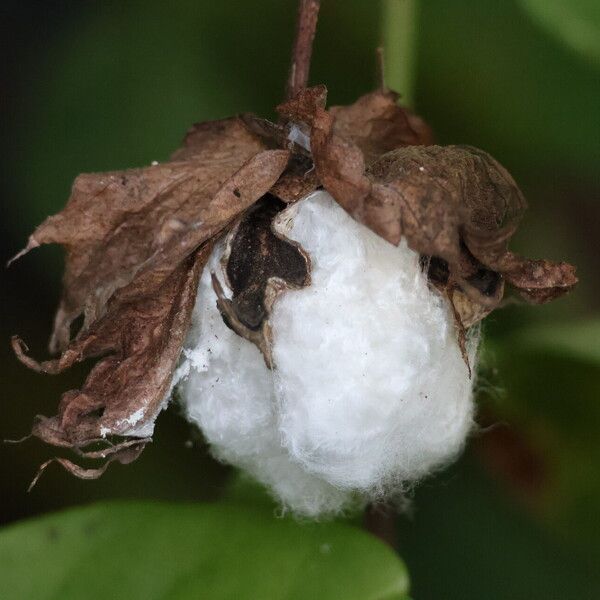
[(306, 25), (380, 520), (398, 26)]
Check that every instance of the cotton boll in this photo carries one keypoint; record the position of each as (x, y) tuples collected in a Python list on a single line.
[(369, 391), (371, 387), (228, 392)]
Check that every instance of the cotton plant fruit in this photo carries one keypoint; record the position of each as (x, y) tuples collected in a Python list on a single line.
[(324, 275), (368, 390)]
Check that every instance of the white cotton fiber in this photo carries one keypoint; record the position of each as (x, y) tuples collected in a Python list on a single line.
[(371, 385), (369, 391), (229, 394)]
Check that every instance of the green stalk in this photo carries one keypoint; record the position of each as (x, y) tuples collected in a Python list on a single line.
[(398, 27)]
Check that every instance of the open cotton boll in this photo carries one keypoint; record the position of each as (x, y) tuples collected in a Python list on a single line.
[(227, 391), (371, 386), (369, 391)]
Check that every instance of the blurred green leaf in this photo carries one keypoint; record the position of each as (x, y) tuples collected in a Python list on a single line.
[(151, 550), (467, 541), (576, 23), (487, 76), (576, 340), (547, 385)]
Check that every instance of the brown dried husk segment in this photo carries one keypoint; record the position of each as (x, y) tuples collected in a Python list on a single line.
[(137, 241), (453, 203), (139, 341), (259, 264)]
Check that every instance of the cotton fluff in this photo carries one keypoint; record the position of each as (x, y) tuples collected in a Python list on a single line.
[(369, 392), (228, 392)]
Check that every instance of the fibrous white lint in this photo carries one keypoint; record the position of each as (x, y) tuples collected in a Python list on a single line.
[(297, 136), (229, 394), (369, 391)]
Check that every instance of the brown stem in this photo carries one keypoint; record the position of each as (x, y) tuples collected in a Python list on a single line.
[(308, 13), (380, 68), (380, 521)]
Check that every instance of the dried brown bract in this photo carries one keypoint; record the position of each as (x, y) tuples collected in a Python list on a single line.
[(455, 204), (377, 124), (137, 242)]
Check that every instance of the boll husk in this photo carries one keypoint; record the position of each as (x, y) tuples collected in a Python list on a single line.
[(342, 375), (368, 390)]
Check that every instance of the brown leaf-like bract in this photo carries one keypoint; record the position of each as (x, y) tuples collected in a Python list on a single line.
[(121, 225), (132, 268), (454, 203), (140, 342), (137, 242), (377, 124)]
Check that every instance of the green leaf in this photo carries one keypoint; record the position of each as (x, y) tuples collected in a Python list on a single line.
[(575, 23), (545, 382), (151, 551), (574, 340), (487, 76), (468, 540)]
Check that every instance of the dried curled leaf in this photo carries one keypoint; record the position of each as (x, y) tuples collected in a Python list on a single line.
[(453, 203), (140, 342), (132, 268), (125, 454), (121, 225)]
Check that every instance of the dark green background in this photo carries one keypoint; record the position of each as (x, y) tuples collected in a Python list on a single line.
[(90, 86)]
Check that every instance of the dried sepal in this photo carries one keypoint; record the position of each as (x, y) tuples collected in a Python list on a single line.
[(453, 203), (121, 225), (377, 124), (125, 455), (140, 342), (132, 269)]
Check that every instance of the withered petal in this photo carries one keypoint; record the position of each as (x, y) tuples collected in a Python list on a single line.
[(121, 224)]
